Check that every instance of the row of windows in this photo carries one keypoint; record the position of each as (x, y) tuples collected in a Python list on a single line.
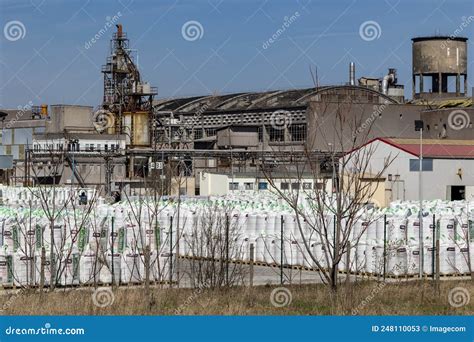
[(296, 186), (277, 134), (247, 186), (76, 147), (264, 186)]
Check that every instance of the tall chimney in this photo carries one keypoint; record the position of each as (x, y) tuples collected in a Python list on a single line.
[(119, 30), (352, 73)]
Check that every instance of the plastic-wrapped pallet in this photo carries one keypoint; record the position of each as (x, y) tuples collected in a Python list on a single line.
[(318, 254), (413, 260), (68, 268), (462, 259), (6, 268), (23, 269), (429, 257), (397, 261), (360, 260), (397, 229), (446, 229), (89, 266), (269, 249), (447, 259), (129, 266)]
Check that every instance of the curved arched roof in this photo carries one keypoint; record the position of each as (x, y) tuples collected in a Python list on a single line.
[(269, 99)]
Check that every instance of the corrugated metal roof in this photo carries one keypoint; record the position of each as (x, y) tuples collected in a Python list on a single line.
[(435, 148)]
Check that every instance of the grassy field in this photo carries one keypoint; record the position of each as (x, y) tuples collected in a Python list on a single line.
[(363, 298)]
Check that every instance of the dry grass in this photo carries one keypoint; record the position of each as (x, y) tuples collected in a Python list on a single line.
[(414, 298)]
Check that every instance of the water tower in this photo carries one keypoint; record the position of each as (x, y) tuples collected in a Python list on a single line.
[(439, 63)]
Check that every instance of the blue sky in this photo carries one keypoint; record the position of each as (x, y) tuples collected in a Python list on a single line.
[(50, 63)]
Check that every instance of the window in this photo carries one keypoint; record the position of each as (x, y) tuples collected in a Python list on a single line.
[(234, 186), (284, 186), (197, 134), (92, 147), (262, 186), (276, 134), (298, 132), (98, 147), (295, 186), (426, 165), (306, 185), (210, 132), (248, 186), (260, 133)]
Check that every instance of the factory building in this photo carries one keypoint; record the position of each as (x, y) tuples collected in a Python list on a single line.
[(447, 169), (131, 139)]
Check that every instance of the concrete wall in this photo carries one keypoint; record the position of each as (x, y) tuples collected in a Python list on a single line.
[(69, 118), (242, 137), (449, 123), (361, 122), (213, 184)]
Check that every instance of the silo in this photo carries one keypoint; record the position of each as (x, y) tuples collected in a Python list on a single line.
[(439, 63)]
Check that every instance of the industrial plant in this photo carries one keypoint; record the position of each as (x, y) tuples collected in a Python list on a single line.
[(134, 137), (353, 179)]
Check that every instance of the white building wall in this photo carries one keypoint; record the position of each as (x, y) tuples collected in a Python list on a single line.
[(435, 183), (216, 185)]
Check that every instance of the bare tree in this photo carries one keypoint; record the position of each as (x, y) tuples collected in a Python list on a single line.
[(327, 214)]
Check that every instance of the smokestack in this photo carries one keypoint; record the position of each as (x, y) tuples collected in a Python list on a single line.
[(119, 30), (352, 73)]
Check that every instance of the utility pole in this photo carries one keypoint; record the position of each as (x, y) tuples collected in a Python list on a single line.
[(419, 127)]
